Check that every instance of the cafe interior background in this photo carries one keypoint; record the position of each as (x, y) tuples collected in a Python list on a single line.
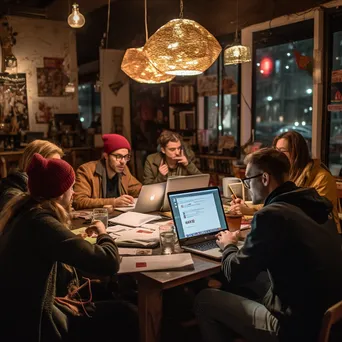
[(278, 67)]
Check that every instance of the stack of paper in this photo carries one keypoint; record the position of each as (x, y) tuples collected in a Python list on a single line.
[(179, 262), (134, 219)]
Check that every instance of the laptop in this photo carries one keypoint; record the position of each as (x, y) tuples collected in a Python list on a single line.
[(150, 199), (198, 216), (179, 183)]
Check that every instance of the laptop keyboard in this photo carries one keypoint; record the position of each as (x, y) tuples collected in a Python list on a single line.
[(205, 246)]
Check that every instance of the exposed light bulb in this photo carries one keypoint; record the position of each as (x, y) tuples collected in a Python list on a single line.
[(76, 19)]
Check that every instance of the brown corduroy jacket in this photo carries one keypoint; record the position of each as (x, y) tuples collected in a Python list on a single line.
[(91, 185)]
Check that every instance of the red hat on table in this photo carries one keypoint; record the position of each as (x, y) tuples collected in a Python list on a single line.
[(113, 142), (49, 178)]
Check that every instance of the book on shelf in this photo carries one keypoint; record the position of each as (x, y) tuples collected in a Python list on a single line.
[(182, 93), (182, 120)]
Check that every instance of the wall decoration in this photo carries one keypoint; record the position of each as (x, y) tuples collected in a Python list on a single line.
[(51, 82), (13, 100), (7, 41), (44, 113)]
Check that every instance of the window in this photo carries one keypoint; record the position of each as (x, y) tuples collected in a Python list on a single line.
[(89, 104), (335, 99), (282, 81), (222, 106)]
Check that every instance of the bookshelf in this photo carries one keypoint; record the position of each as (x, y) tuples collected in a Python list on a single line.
[(183, 109)]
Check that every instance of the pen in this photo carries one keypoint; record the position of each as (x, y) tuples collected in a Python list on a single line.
[(234, 194)]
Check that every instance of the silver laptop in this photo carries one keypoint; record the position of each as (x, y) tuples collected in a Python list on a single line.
[(179, 183), (150, 199), (198, 216)]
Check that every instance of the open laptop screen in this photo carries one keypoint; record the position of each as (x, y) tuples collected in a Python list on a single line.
[(197, 212)]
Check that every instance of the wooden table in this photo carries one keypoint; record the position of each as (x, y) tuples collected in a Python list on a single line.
[(152, 284), (150, 293)]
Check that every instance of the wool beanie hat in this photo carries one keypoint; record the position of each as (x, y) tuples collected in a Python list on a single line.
[(49, 178), (113, 142)]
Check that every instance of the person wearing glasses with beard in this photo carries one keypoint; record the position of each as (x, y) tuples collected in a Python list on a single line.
[(107, 181)]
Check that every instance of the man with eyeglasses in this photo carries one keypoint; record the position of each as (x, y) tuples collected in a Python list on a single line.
[(294, 239), (107, 181)]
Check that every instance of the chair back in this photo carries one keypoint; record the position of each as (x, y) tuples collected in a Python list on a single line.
[(331, 316)]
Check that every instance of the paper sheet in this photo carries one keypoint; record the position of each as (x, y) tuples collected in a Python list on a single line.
[(135, 251), (134, 219), (182, 261)]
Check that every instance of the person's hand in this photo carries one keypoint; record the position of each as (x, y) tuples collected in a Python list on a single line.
[(95, 229), (238, 206), (182, 159), (226, 237), (123, 201), (163, 168)]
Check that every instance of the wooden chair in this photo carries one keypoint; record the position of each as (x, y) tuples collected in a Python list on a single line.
[(3, 167), (331, 316)]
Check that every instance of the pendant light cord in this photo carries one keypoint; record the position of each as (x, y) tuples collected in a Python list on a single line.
[(237, 20), (181, 9), (108, 24), (146, 25)]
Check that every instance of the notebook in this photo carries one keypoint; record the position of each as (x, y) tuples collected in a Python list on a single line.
[(150, 199), (198, 216), (184, 183)]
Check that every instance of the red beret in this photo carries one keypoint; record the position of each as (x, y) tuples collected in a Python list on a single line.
[(49, 178), (113, 142)]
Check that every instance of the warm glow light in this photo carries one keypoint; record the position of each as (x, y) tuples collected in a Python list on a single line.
[(266, 65), (137, 66), (182, 47), (76, 19), (237, 54)]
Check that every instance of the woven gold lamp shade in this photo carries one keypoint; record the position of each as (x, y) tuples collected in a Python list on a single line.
[(137, 66), (182, 47), (237, 54)]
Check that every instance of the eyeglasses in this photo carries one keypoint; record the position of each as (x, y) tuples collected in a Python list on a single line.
[(246, 181), (120, 157)]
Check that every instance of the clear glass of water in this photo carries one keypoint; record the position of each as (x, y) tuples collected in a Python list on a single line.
[(167, 239), (101, 214)]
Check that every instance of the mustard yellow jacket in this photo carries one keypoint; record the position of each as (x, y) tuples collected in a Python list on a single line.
[(316, 175)]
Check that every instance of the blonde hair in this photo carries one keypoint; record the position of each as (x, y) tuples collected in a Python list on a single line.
[(43, 147), (25, 201)]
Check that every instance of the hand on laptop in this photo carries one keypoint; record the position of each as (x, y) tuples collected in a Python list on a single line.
[(182, 159), (163, 168), (226, 237), (123, 201)]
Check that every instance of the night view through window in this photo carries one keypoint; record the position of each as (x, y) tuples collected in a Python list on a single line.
[(283, 90)]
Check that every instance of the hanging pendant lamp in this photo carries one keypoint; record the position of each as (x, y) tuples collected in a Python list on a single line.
[(76, 19), (137, 66), (182, 47), (237, 53)]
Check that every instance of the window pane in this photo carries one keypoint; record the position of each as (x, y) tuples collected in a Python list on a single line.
[(85, 104), (230, 101), (283, 90), (335, 147)]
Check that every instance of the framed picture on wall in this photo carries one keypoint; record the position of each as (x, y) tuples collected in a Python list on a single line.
[(51, 82), (13, 101)]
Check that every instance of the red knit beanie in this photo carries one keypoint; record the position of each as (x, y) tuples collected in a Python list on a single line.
[(49, 178), (113, 142)]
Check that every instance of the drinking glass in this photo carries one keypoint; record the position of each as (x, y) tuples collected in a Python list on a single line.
[(101, 214), (167, 239)]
